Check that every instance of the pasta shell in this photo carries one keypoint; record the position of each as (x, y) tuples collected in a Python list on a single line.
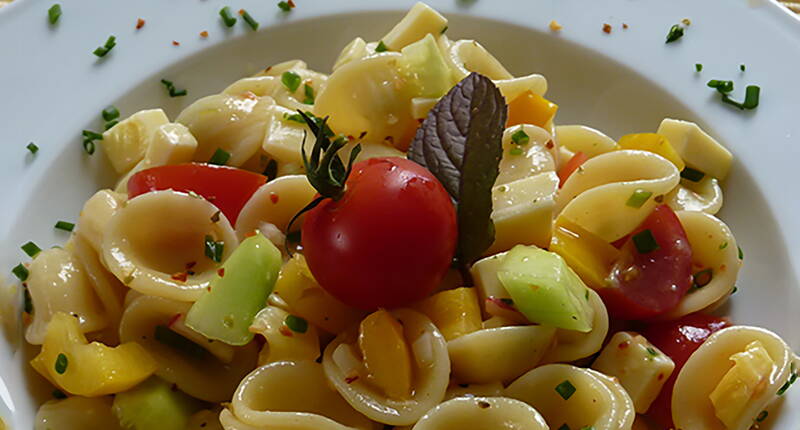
[(96, 213), (482, 413), (535, 158), (704, 196), (276, 203), (580, 138)]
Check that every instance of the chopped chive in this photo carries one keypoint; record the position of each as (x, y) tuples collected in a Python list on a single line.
[(742, 67), (271, 170), (32, 147), (227, 18), (61, 364), (296, 117), (645, 242), (564, 427), (213, 249), (638, 198), (88, 146), (788, 384), (21, 272), (509, 302), (698, 67), (515, 151), (309, 92), (58, 394), (296, 324), (652, 351), (89, 134), (291, 80), (381, 47), (27, 301), (285, 6), (723, 245), (565, 389), (249, 19), (723, 87), (444, 30), (101, 51), (220, 157), (54, 13), (741, 253), (110, 113), (734, 290), (693, 175), (752, 94), (173, 92), (587, 428), (702, 278), (66, 226), (174, 340), (110, 124), (520, 138), (31, 249), (762, 416), (675, 33)]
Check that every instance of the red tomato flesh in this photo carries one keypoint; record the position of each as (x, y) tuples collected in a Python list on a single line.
[(572, 165), (228, 188), (388, 241), (645, 285), (678, 339)]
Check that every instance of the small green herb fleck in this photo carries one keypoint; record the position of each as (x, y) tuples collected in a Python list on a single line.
[(762, 416), (702, 278), (32, 148), (381, 47), (31, 249), (110, 113), (444, 30), (214, 249), (227, 17), (174, 340), (296, 324), (285, 6), (110, 124), (645, 241), (220, 157), (61, 364), (101, 51), (724, 245), (565, 389), (652, 351), (291, 80), (54, 13), (520, 138), (698, 67), (515, 151), (638, 198), (251, 22), (675, 33), (789, 382), (173, 92), (723, 87), (309, 92), (58, 394), (751, 98), (27, 301), (741, 253), (21, 272), (734, 290), (66, 226), (742, 67), (693, 175)]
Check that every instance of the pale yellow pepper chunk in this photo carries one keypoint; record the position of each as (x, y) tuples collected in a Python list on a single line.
[(587, 254), (531, 108), (748, 377), (455, 312), (386, 354), (652, 142), (81, 368)]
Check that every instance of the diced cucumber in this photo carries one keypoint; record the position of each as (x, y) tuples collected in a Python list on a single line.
[(423, 64), (238, 292), (545, 289), (153, 404)]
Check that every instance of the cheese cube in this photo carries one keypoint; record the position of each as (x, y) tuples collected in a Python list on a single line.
[(126, 143), (420, 21), (523, 212), (744, 380)]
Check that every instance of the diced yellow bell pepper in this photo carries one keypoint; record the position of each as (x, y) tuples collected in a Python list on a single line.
[(386, 354), (530, 108), (455, 312), (305, 298), (746, 379), (652, 142), (588, 255), (81, 368)]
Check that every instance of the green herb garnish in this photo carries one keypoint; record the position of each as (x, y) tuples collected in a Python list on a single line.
[(214, 249), (31, 249), (271, 170), (515, 151), (638, 198), (652, 351), (675, 33), (58, 394), (54, 13), (741, 253), (249, 19), (444, 30), (61, 364), (88, 140), (789, 382), (66, 226), (564, 427), (751, 98), (734, 290), (309, 92), (110, 124), (27, 300), (565, 389), (110, 113), (285, 6), (21, 272), (291, 80), (381, 47), (723, 245), (762, 416), (693, 175), (702, 278), (227, 17), (220, 157), (173, 92), (101, 51), (32, 148), (742, 67), (295, 117), (520, 138), (723, 87), (645, 241), (296, 324), (698, 67)]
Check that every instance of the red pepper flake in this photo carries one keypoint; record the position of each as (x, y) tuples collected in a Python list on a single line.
[(286, 331), (173, 320), (176, 43), (350, 137), (722, 268), (624, 345), (549, 144), (249, 95), (208, 288), (660, 376), (291, 4), (624, 26), (180, 276), (351, 379), (251, 234), (139, 23), (274, 198), (267, 69), (606, 29), (659, 199), (221, 272), (203, 34), (190, 264)]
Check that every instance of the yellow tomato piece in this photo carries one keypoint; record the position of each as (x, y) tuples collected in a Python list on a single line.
[(305, 298), (588, 255), (386, 354), (531, 108), (652, 142), (81, 368), (748, 377), (455, 312)]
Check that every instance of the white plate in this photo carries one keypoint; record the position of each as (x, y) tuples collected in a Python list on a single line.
[(52, 87)]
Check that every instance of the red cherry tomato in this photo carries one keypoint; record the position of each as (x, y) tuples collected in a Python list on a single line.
[(572, 165), (644, 285), (388, 241), (228, 188), (678, 340)]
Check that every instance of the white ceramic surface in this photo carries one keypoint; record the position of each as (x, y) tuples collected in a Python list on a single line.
[(52, 87)]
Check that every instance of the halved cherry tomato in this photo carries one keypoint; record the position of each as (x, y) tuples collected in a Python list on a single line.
[(388, 241), (228, 188), (572, 165), (646, 284), (678, 339)]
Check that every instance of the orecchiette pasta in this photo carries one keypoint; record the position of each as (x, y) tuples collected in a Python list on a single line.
[(580, 138), (282, 344), (125, 144), (269, 84), (482, 413), (160, 234), (492, 389), (538, 154), (704, 196), (276, 202), (96, 213)]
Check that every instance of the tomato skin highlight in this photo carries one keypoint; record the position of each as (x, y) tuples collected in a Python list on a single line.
[(678, 339), (646, 285), (388, 241), (570, 167), (228, 188)]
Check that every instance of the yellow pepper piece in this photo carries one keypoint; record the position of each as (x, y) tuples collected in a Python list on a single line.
[(386, 354), (588, 255), (81, 368), (652, 142), (748, 377), (455, 312), (530, 108), (298, 288)]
